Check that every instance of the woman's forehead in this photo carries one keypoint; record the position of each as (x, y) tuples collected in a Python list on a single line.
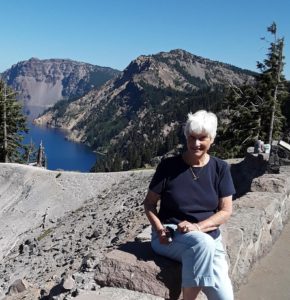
[(198, 134)]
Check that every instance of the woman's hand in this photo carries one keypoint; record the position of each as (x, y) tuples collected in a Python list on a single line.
[(164, 237), (186, 226), (150, 204)]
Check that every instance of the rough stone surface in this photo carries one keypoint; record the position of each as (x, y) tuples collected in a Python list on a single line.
[(135, 267), (256, 223), (68, 283), (115, 293), (41, 83), (157, 71), (18, 286), (80, 226), (85, 216)]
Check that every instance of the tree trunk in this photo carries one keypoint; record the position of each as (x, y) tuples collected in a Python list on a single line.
[(273, 109), (5, 144)]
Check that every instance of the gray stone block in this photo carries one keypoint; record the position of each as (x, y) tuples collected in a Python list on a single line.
[(268, 183), (136, 267)]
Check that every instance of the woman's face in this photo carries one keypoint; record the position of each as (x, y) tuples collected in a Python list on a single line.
[(198, 144)]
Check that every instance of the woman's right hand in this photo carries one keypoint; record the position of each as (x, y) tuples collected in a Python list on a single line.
[(163, 236), (150, 205)]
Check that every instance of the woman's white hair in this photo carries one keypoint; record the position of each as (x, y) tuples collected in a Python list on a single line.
[(201, 122)]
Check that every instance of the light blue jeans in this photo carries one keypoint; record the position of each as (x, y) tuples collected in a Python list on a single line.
[(203, 261)]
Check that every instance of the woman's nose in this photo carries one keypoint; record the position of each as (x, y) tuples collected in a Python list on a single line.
[(196, 142)]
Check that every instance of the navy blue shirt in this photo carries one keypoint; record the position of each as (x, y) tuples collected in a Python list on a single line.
[(183, 198)]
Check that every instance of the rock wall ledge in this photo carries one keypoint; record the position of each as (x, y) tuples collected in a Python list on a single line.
[(257, 221)]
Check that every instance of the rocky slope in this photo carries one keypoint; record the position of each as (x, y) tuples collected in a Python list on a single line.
[(177, 70), (55, 223), (147, 102), (57, 227), (41, 83)]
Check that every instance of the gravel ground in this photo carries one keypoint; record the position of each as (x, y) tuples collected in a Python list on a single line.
[(71, 231)]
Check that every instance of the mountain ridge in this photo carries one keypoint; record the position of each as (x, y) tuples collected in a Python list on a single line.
[(147, 102), (42, 82)]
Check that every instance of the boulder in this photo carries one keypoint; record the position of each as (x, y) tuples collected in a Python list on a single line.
[(18, 286), (135, 267), (68, 283)]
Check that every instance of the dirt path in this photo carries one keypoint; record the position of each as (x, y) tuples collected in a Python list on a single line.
[(270, 279)]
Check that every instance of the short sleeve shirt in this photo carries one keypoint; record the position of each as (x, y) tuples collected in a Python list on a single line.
[(183, 197)]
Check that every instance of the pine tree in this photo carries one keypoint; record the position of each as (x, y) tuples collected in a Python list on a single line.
[(272, 87), (241, 121), (254, 111), (12, 125)]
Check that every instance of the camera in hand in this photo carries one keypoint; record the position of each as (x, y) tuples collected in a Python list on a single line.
[(169, 233)]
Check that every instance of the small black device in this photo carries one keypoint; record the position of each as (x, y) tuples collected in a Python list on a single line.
[(169, 233)]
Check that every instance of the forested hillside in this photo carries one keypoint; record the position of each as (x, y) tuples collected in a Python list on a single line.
[(138, 116)]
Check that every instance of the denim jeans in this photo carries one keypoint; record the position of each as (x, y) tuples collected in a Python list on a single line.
[(203, 261)]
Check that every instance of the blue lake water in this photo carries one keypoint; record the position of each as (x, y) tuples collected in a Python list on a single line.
[(61, 153)]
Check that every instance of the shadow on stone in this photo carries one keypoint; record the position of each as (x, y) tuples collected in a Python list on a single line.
[(55, 291), (244, 172)]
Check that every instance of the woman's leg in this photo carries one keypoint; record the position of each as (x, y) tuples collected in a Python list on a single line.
[(190, 293), (222, 289), (195, 250)]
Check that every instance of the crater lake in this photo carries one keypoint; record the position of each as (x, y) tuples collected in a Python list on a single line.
[(61, 153)]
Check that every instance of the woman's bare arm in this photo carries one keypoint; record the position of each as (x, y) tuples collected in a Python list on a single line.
[(150, 205)]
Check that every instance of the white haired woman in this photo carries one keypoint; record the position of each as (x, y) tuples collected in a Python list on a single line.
[(195, 190)]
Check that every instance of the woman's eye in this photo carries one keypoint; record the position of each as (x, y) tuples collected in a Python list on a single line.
[(201, 138)]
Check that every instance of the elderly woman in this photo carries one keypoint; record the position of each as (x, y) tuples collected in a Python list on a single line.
[(196, 191)]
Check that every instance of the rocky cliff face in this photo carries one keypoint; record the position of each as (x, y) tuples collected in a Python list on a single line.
[(147, 102), (177, 70), (41, 83)]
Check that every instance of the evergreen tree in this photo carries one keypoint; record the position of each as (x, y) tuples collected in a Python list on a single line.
[(272, 87), (12, 125), (254, 112), (240, 122)]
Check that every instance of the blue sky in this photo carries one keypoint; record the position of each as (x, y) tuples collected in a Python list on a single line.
[(114, 32)]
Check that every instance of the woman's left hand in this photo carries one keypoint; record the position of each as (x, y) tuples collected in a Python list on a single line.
[(186, 226)]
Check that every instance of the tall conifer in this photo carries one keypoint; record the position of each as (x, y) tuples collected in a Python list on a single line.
[(12, 125), (272, 87), (254, 111)]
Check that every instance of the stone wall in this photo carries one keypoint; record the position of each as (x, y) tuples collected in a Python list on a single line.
[(113, 203), (258, 219)]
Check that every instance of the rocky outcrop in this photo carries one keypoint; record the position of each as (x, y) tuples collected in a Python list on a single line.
[(35, 198), (54, 223), (41, 83), (68, 235), (257, 222), (145, 104)]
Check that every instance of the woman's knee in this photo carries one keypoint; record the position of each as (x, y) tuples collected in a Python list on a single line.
[(201, 254), (201, 240)]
